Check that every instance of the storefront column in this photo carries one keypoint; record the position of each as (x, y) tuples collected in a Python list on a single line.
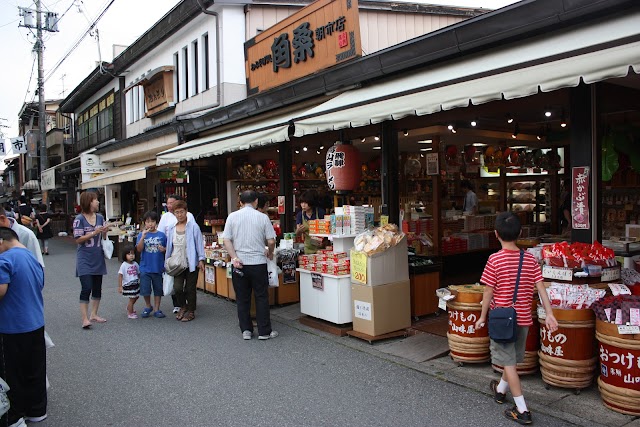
[(285, 160), (584, 152), (389, 173)]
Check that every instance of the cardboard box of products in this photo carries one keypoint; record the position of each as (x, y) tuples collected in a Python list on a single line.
[(378, 310), (385, 267)]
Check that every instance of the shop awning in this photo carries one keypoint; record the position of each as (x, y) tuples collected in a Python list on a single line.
[(122, 174), (591, 54), (32, 185), (65, 163), (263, 132)]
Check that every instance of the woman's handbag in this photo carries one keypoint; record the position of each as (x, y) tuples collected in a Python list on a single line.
[(503, 325), (176, 264), (107, 248)]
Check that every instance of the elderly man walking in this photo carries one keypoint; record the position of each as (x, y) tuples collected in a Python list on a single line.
[(246, 233)]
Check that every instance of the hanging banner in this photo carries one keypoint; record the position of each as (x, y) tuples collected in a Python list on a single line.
[(580, 198), (33, 142), (18, 146), (3, 150)]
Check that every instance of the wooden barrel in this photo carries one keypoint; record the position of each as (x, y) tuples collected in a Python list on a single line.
[(567, 356), (465, 343), (619, 381)]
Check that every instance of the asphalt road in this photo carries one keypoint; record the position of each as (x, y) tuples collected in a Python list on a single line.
[(160, 372)]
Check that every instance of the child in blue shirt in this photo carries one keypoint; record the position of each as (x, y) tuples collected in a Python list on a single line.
[(152, 244), (129, 279)]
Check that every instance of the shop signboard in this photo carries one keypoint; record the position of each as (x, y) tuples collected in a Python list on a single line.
[(90, 165), (18, 145), (158, 90), (48, 179), (432, 164), (323, 34), (281, 205), (359, 267), (580, 198), (3, 151), (33, 142), (289, 272), (362, 310), (619, 367)]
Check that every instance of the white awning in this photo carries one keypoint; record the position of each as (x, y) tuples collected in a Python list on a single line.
[(34, 185), (122, 174), (260, 133), (591, 53)]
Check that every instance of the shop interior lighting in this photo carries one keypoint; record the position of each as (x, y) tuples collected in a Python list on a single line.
[(540, 134), (422, 155), (321, 147), (377, 147), (426, 141), (474, 122), (405, 132), (479, 144), (452, 128), (297, 151), (516, 131), (426, 149), (317, 151), (363, 140), (563, 121), (377, 137), (509, 118), (304, 148), (547, 113)]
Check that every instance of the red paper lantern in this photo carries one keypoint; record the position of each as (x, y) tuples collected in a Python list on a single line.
[(343, 167)]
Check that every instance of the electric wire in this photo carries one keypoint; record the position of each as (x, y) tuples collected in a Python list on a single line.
[(33, 64), (75, 45)]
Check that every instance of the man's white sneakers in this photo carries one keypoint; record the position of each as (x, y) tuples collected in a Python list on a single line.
[(246, 335), (273, 334)]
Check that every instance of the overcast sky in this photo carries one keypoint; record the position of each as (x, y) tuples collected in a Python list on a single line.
[(122, 24)]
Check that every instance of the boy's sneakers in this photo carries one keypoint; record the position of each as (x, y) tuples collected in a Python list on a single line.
[(273, 334), (517, 416), (146, 312), (176, 310), (159, 314), (497, 396), (132, 315), (246, 335)]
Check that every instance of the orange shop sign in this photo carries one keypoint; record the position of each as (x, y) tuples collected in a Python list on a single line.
[(318, 36)]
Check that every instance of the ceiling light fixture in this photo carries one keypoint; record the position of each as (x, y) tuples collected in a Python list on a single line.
[(479, 144), (363, 140), (304, 148), (452, 128), (321, 147), (317, 151), (377, 147), (377, 137), (426, 149), (547, 113), (563, 122), (297, 151), (426, 141), (474, 122), (516, 131), (509, 118), (405, 132)]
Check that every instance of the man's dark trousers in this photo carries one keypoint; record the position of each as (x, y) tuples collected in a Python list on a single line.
[(256, 278)]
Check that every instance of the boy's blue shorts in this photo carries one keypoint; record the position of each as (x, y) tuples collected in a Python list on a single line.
[(151, 280)]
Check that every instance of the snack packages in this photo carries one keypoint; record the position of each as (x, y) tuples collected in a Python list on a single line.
[(567, 296), (378, 240)]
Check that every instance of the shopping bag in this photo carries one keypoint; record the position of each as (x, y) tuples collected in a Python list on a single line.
[(167, 284), (4, 400), (503, 325), (272, 268), (48, 342), (107, 248)]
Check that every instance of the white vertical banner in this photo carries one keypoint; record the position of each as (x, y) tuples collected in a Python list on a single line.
[(3, 150), (18, 145)]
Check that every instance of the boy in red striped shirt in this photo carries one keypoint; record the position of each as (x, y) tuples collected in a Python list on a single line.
[(499, 276)]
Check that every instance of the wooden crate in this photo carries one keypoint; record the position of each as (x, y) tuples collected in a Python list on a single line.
[(288, 293)]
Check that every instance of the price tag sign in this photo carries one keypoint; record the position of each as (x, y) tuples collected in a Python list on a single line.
[(317, 281), (359, 267), (384, 220), (628, 330), (609, 274), (557, 273)]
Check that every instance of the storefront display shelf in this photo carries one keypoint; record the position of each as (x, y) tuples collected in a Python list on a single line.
[(328, 300), (341, 242), (302, 270)]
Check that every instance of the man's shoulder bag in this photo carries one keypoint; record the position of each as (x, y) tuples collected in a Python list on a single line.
[(503, 325)]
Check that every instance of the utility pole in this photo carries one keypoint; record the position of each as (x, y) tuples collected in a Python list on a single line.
[(50, 24), (42, 119)]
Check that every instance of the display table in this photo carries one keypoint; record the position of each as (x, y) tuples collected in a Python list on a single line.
[(341, 242), (329, 298)]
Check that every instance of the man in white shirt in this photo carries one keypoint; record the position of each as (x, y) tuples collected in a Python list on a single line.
[(168, 220), (26, 236)]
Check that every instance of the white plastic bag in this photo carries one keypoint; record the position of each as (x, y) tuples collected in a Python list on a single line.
[(4, 400), (167, 284), (107, 248), (272, 268)]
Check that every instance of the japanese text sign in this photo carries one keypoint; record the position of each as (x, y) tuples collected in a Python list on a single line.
[(580, 198), (18, 145), (3, 150), (325, 33), (359, 267), (158, 90), (317, 281)]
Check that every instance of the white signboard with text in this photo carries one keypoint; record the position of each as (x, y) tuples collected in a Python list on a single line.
[(48, 179)]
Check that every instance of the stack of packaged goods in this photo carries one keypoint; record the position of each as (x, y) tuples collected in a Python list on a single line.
[(326, 261), (578, 255), (572, 297), (319, 226), (361, 217), (339, 224)]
